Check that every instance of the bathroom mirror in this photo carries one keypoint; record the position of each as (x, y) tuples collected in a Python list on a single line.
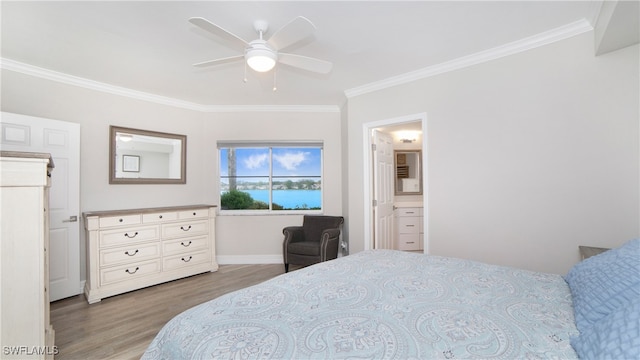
[(408, 165), (146, 157)]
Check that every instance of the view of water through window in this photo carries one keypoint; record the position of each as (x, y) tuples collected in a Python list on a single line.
[(291, 175)]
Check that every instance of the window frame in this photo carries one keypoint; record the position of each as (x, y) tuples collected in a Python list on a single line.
[(270, 145)]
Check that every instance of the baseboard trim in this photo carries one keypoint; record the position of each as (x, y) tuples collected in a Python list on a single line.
[(249, 259)]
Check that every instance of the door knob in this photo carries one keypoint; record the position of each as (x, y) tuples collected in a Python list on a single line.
[(71, 219)]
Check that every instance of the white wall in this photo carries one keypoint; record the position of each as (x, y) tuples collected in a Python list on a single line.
[(258, 239), (95, 112), (529, 155), (246, 239)]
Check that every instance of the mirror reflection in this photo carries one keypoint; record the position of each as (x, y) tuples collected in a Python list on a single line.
[(148, 157), (408, 172)]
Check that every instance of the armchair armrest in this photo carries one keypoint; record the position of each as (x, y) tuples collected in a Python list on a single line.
[(331, 234), (329, 244), (293, 234)]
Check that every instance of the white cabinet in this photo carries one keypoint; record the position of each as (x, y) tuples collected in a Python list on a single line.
[(409, 228), (25, 329), (132, 249)]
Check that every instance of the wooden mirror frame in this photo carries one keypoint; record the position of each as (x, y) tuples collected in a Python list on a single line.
[(114, 130)]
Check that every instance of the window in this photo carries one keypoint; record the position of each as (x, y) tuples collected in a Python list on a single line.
[(272, 177)]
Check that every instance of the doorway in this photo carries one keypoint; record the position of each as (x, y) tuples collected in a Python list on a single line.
[(394, 127), (62, 140)]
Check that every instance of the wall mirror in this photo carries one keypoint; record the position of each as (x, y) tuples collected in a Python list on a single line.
[(408, 164), (146, 157)]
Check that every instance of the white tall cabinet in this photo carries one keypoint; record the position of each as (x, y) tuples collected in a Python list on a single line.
[(25, 329)]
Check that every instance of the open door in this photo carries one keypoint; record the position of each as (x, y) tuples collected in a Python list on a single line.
[(62, 140), (383, 190)]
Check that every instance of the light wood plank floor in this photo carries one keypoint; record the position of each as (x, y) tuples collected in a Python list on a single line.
[(122, 326)]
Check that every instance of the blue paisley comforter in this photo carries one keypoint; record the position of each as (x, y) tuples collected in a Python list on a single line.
[(381, 304)]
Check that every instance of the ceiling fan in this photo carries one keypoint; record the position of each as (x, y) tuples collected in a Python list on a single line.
[(262, 55)]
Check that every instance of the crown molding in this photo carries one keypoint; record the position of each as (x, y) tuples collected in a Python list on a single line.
[(272, 108), (545, 38), (532, 42), (15, 66)]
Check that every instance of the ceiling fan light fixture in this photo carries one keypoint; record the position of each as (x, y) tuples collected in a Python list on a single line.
[(261, 60)]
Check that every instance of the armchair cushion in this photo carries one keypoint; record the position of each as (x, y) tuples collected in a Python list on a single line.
[(310, 248)]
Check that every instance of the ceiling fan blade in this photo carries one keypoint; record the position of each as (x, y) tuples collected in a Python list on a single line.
[(219, 61), (217, 30), (305, 63), (296, 30)]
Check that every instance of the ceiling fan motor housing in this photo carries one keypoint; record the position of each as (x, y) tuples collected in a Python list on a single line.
[(260, 56)]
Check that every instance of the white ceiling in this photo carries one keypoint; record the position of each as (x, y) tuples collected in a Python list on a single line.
[(150, 46)]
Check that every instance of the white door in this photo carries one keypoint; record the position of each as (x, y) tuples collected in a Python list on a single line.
[(383, 190), (61, 140)]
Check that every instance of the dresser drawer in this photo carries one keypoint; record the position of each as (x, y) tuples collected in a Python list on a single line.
[(409, 211), (185, 245), (129, 272), (130, 254), (409, 225), (159, 217), (193, 214), (118, 237), (184, 260), (409, 242), (184, 229), (111, 221)]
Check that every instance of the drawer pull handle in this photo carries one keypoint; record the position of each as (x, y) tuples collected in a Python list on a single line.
[(127, 252), (187, 229), (134, 271), (411, 242), (187, 244), (187, 260), (410, 212), (131, 236), (194, 214), (120, 220), (160, 217), (409, 225)]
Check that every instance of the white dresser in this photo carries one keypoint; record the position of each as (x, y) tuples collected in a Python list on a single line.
[(132, 249), (409, 228), (25, 330)]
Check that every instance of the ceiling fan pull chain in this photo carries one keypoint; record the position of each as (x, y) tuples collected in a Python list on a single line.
[(274, 79), (245, 72)]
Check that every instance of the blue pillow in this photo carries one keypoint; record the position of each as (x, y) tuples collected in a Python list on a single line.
[(602, 283), (616, 336)]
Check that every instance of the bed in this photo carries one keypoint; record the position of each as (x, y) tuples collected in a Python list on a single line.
[(385, 304)]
